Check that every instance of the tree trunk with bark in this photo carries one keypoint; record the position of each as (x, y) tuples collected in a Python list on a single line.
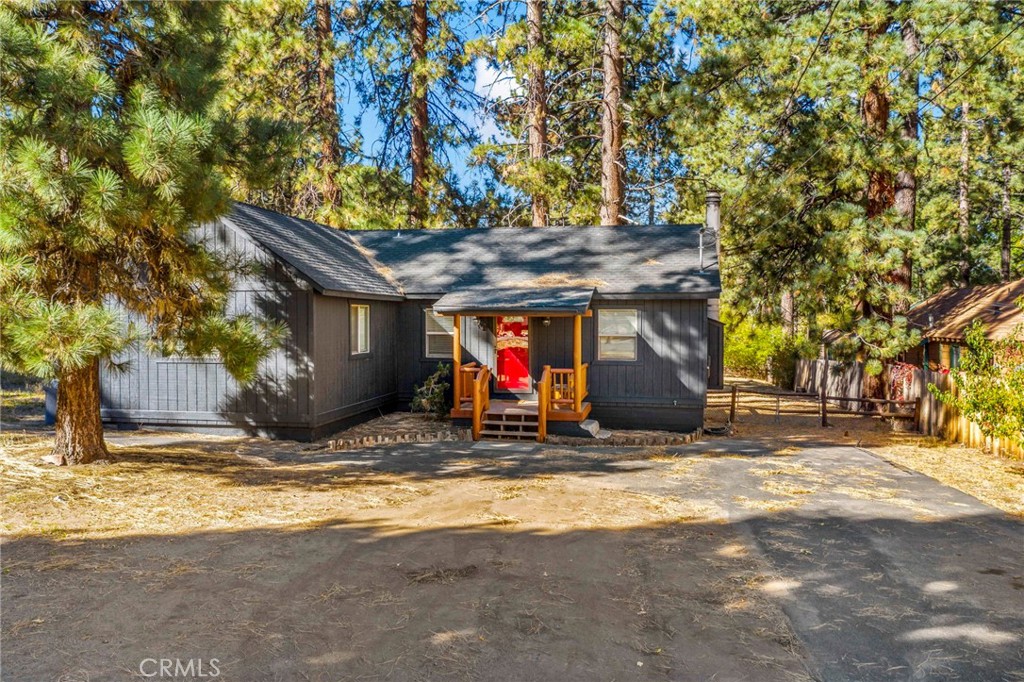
[(788, 307), (906, 179), (420, 120), (964, 210), (79, 429), (1007, 237), (612, 190), (537, 101), (327, 102)]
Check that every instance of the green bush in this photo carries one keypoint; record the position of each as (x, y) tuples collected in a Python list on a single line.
[(763, 352), (990, 383), (432, 396)]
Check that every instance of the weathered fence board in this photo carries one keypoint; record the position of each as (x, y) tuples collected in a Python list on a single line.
[(934, 418)]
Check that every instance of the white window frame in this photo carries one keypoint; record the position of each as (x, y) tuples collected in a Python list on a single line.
[(359, 331), (634, 336), (429, 314)]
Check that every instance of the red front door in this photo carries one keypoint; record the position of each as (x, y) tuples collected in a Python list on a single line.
[(512, 348)]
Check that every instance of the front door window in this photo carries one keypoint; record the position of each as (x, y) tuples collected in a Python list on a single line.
[(512, 348)]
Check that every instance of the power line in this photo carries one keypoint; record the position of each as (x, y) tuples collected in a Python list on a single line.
[(975, 62), (891, 80)]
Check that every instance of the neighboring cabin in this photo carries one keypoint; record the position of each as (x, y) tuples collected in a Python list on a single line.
[(620, 314), (944, 318)]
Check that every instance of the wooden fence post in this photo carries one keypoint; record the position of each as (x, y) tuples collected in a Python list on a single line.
[(732, 406), (824, 406)]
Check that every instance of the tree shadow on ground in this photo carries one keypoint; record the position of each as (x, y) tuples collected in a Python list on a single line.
[(869, 598)]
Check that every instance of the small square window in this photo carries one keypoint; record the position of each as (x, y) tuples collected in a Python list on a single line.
[(359, 329), (616, 334), (440, 329)]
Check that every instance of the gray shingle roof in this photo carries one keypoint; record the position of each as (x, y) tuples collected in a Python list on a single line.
[(549, 300), (327, 257), (650, 259)]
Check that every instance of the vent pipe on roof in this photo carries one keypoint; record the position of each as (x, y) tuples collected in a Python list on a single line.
[(713, 221), (700, 247)]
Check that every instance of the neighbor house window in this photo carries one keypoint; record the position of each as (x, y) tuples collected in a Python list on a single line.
[(439, 335), (359, 328), (616, 334)]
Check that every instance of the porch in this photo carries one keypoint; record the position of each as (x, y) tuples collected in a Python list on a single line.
[(558, 394)]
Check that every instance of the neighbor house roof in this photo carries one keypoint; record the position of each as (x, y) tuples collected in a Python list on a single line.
[(655, 260), (946, 315), (328, 258)]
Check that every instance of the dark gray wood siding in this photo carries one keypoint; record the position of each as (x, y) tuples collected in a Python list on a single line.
[(671, 364), (190, 391), (415, 366), (348, 385), (716, 354)]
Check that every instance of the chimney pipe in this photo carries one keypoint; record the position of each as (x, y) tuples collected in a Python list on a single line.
[(713, 218)]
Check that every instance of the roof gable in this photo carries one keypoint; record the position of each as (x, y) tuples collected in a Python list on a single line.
[(327, 257)]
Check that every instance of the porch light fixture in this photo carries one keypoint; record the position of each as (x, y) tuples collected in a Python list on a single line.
[(546, 322)]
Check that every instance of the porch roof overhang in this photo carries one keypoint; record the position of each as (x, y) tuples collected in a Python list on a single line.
[(545, 302)]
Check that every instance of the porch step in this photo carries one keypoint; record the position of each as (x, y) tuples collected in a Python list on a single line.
[(515, 435), (510, 424)]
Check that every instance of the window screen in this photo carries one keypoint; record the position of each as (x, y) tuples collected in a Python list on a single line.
[(616, 334), (439, 335), (359, 328)]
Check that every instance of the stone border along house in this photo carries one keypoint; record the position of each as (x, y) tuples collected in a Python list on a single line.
[(547, 330)]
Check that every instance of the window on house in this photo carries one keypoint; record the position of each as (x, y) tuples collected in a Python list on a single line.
[(439, 335), (616, 334), (359, 328)]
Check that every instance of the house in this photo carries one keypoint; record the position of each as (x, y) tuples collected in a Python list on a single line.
[(944, 318), (546, 329)]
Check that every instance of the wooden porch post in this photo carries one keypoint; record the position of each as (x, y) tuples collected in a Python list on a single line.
[(577, 363), (457, 361)]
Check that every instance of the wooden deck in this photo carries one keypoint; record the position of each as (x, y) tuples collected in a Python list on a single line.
[(525, 408)]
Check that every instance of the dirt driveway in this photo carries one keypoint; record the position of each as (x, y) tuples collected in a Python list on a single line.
[(726, 560)]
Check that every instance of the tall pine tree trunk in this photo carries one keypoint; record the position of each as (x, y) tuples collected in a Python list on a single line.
[(79, 429), (537, 101), (906, 178), (788, 308), (964, 212), (420, 121), (612, 192), (875, 107), (1007, 238), (327, 102)]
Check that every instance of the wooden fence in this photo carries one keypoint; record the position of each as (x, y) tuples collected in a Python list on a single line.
[(846, 380), (934, 418)]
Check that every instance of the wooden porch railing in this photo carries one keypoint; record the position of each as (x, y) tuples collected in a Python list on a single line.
[(481, 387), (544, 396), (568, 388), (464, 383)]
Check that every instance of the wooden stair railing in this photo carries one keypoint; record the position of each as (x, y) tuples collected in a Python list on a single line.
[(544, 399), (464, 384), (481, 388)]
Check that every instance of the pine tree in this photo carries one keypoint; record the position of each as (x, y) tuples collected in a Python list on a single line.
[(536, 102), (568, 178), (612, 191), (110, 153), (807, 115)]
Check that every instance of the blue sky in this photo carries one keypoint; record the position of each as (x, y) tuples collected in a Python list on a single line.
[(484, 81)]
